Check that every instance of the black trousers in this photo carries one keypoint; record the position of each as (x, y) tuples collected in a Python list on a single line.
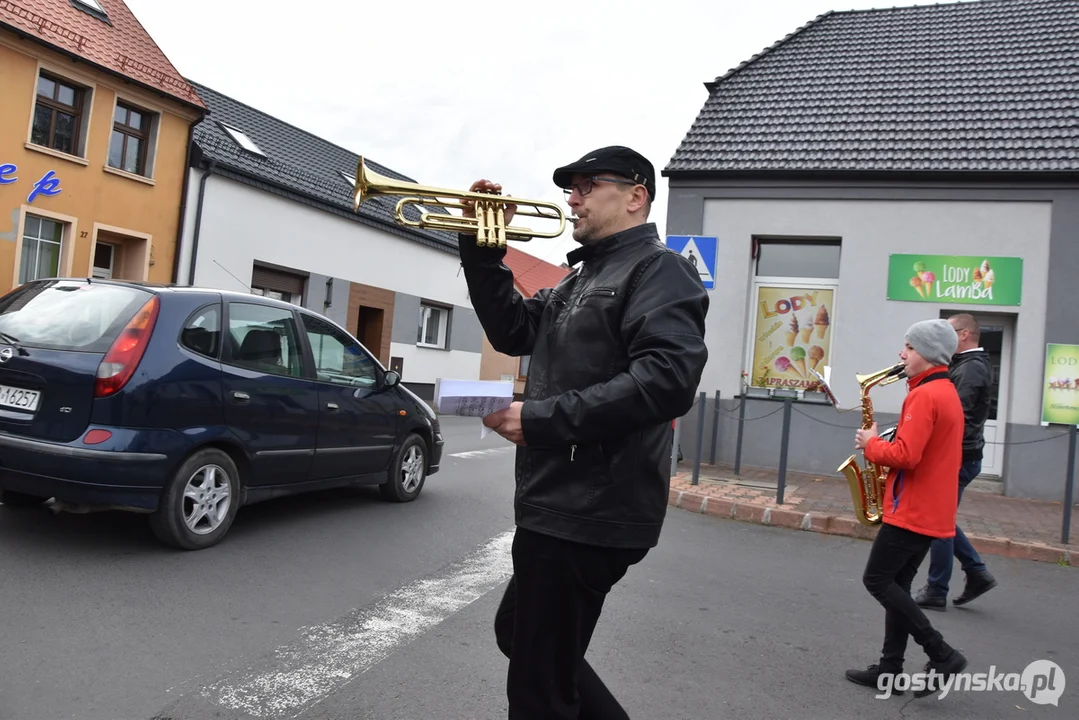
[(545, 623), (893, 563)]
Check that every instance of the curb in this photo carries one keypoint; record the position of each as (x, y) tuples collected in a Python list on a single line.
[(847, 526)]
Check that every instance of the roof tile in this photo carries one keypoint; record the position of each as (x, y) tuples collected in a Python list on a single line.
[(118, 43), (975, 86)]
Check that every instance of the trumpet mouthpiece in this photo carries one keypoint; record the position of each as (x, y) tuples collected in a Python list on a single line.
[(572, 220)]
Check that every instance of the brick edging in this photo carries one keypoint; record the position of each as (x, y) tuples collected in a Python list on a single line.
[(846, 526)]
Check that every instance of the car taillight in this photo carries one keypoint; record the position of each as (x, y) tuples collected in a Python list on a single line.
[(123, 357)]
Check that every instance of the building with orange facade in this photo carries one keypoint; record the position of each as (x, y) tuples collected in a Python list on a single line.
[(530, 275), (94, 138)]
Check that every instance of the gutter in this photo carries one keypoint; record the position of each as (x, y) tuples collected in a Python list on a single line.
[(183, 204), (198, 222)]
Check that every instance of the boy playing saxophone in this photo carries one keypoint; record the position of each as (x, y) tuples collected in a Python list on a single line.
[(919, 504)]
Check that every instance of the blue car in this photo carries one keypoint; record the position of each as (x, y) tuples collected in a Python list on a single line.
[(187, 403)]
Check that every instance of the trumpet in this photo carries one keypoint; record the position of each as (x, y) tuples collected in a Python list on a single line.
[(489, 224)]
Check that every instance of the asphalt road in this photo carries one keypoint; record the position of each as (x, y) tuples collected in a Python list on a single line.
[(341, 606)]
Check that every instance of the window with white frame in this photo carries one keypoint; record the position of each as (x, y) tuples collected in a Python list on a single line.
[(792, 315), (241, 139), (60, 115), (42, 243), (131, 142), (434, 325)]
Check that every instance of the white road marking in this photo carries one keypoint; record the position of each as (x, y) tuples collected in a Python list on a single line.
[(325, 657), (470, 454)]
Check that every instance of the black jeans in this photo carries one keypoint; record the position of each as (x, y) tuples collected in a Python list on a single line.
[(893, 563), (545, 622)]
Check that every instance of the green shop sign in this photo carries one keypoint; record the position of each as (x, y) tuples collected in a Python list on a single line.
[(1060, 397), (968, 280)]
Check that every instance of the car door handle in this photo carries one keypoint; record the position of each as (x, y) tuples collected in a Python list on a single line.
[(241, 397), (332, 407)]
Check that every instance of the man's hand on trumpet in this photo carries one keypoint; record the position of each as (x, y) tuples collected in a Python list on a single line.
[(486, 186)]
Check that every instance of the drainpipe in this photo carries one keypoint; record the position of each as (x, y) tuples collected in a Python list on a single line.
[(183, 205), (198, 222)]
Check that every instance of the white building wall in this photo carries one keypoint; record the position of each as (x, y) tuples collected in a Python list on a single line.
[(868, 328)]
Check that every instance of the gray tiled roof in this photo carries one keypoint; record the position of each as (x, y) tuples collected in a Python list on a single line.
[(300, 165), (983, 86)]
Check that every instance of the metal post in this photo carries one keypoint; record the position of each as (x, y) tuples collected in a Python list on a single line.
[(741, 426), (783, 451), (715, 429), (674, 446), (1068, 482), (700, 438)]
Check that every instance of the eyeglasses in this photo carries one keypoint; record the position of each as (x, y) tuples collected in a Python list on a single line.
[(585, 186)]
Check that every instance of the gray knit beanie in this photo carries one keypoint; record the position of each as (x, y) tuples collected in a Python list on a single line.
[(935, 340)]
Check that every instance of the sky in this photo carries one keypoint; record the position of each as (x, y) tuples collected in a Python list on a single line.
[(450, 92)]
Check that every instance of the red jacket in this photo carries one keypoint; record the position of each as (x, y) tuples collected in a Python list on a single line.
[(922, 491)]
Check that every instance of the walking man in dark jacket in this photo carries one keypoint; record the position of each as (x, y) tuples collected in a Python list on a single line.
[(617, 353), (972, 376)]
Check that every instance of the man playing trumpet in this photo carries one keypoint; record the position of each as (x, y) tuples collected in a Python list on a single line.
[(617, 351)]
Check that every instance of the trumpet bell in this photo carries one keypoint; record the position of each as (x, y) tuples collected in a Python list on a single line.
[(488, 211)]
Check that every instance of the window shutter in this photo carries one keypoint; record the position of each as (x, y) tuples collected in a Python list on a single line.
[(264, 277)]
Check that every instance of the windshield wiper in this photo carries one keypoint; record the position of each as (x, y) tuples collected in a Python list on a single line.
[(13, 341)]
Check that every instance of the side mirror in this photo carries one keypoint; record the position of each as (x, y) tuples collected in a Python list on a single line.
[(391, 379)]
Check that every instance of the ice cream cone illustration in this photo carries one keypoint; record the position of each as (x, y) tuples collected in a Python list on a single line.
[(988, 279), (783, 364), (807, 328), (916, 283), (792, 331), (978, 276), (928, 278), (798, 358), (816, 354), (985, 267), (919, 268), (821, 321)]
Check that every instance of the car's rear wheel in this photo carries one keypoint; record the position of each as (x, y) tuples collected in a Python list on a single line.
[(18, 499), (199, 505), (407, 472)]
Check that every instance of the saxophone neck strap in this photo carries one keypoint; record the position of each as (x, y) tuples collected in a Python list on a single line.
[(940, 375)]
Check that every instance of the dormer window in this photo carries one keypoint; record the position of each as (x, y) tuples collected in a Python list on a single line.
[(242, 140), (91, 7)]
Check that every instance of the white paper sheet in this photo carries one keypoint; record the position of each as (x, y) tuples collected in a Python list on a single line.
[(472, 398)]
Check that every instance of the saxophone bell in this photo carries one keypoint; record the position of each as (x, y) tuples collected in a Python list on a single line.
[(867, 484)]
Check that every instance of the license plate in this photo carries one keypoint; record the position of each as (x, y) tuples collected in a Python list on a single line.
[(19, 398)]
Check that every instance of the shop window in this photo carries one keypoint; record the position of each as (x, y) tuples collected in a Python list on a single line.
[(131, 143), (434, 326), (792, 315), (60, 115), (796, 258), (42, 243)]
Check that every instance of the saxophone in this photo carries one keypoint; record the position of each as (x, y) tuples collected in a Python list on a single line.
[(867, 485)]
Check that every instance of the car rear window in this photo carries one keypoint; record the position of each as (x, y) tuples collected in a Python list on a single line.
[(68, 315)]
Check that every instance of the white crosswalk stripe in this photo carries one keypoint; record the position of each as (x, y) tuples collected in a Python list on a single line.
[(490, 452), (326, 657)]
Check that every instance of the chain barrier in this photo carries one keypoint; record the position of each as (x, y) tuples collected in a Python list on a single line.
[(788, 406)]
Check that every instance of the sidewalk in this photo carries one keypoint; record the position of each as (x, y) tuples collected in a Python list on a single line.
[(995, 525)]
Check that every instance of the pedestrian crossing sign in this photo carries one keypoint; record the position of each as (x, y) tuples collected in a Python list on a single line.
[(700, 251)]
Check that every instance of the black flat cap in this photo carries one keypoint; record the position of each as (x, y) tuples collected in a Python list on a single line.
[(613, 159)]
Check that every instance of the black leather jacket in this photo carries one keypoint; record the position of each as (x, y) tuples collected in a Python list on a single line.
[(617, 353), (972, 376)]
